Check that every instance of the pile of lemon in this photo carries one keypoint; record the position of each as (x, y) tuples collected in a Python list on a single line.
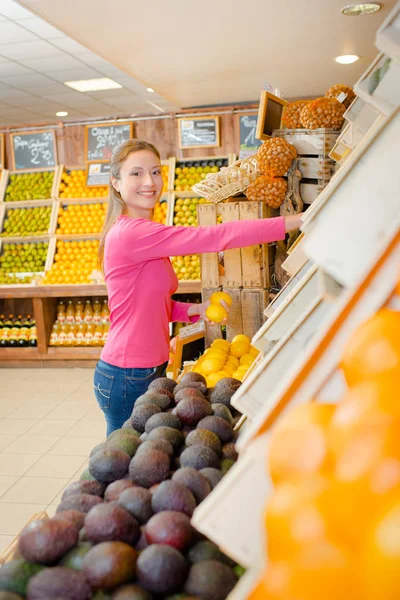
[(81, 218), (226, 359), (73, 185), (74, 263)]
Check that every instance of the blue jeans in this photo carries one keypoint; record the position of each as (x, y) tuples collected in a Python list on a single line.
[(117, 390)]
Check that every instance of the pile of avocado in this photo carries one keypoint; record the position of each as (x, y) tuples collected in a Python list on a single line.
[(29, 186), (123, 531)]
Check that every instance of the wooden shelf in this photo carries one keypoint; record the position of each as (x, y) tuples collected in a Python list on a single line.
[(74, 353), (19, 353)]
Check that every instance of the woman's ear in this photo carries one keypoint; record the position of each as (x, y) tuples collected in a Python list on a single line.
[(115, 183)]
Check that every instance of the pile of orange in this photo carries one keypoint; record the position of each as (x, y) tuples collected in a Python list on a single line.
[(165, 176), (333, 521), (160, 213), (74, 262), (81, 218), (73, 185)]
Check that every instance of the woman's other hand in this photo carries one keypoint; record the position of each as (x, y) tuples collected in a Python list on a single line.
[(200, 309)]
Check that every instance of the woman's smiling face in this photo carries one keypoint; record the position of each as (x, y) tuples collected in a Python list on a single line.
[(140, 183)]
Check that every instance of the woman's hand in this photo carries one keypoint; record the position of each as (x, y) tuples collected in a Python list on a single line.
[(200, 309), (293, 222)]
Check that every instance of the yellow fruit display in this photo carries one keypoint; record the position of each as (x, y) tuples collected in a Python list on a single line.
[(241, 338), (160, 213), (239, 348), (187, 268), (185, 211), (214, 378), (27, 221), (81, 218), (29, 186), (73, 185), (23, 258), (222, 344), (218, 361), (216, 298), (216, 313), (165, 176), (74, 262), (188, 173)]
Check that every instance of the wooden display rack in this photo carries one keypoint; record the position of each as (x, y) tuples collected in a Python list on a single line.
[(6, 206), (5, 176)]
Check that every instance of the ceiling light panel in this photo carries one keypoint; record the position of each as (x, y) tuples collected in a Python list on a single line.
[(357, 10), (347, 59), (92, 85)]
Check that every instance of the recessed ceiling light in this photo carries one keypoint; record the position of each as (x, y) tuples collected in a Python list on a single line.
[(93, 85), (61, 113), (347, 59), (357, 10), (150, 90)]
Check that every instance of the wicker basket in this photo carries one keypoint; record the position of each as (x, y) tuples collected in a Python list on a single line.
[(229, 181)]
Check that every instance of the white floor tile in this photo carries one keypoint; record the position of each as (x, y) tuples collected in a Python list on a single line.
[(31, 411), (86, 428), (32, 444), (56, 466), (51, 510), (16, 464), (6, 481), (13, 517), (34, 490), (18, 426), (52, 426), (75, 446), (70, 411), (6, 440), (95, 414), (5, 541)]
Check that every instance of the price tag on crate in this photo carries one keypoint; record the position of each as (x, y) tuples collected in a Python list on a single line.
[(190, 330)]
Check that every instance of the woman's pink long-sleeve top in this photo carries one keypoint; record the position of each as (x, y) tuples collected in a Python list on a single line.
[(140, 280)]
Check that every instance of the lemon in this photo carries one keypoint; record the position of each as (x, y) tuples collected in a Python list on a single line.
[(222, 344), (216, 313), (232, 360), (241, 338), (253, 351), (215, 353), (213, 378), (246, 359), (216, 298), (238, 375), (239, 348), (210, 365)]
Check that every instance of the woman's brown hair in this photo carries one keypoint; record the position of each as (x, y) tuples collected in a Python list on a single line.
[(116, 203)]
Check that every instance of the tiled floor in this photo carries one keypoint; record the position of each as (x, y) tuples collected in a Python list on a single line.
[(49, 422)]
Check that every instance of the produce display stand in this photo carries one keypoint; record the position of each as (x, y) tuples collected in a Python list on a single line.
[(5, 178)]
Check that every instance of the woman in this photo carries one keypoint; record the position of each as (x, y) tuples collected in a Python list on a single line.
[(134, 253)]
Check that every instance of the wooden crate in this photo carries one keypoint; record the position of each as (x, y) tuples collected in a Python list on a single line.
[(309, 142), (171, 172), (63, 168), (6, 176), (249, 267), (230, 158), (6, 206), (246, 313)]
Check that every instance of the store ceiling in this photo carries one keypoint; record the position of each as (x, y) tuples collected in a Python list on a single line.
[(190, 53)]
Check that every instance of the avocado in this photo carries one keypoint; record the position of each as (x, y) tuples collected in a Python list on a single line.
[(93, 488), (161, 400), (125, 443), (161, 445), (86, 476), (226, 464), (45, 542), (163, 383), (150, 467), (73, 516), (195, 481), (141, 414), (191, 410), (80, 502), (10, 596), (163, 420), (199, 457), (15, 575), (109, 565), (144, 437), (206, 550), (142, 543), (110, 522), (212, 475), (109, 465), (58, 582), (210, 580), (137, 501), (224, 390), (189, 378), (97, 448), (196, 385), (175, 496), (220, 410), (217, 425), (171, 528), (123, 431), (173, 436), (100, 595), (186, 392), (161, 569), (115, 489), (74, 558), (203, 437), (131, 592), (229, 452)]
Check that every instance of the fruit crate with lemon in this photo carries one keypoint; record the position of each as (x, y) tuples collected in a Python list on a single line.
[(28, 219), (24, 185), (23, 262), (189, 171), (71, 185), (73, 260)]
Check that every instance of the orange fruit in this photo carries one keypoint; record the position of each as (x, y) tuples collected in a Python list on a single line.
[(239, 348), (210, 365), (216, 313), (216, 298), (373, 348), (241, 338)]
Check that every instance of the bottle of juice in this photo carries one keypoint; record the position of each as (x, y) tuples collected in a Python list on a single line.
[(32, 336), (71, 334), (9, 322), (61, 316), (89, 335), (80, 333), (14, 334), (98, 335), (23, 337), (70, 313), (4, 337), (78, 312), (106, 327), (96, 312), (62, 334), (18, 321), (105, 312), (54, 334), (1, 321), (88, 312)]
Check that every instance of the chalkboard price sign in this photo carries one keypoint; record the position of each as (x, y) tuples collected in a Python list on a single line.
[(34, 150), (102, 139), (249, 144), (269, 115), (201, 132), (98, 174)]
